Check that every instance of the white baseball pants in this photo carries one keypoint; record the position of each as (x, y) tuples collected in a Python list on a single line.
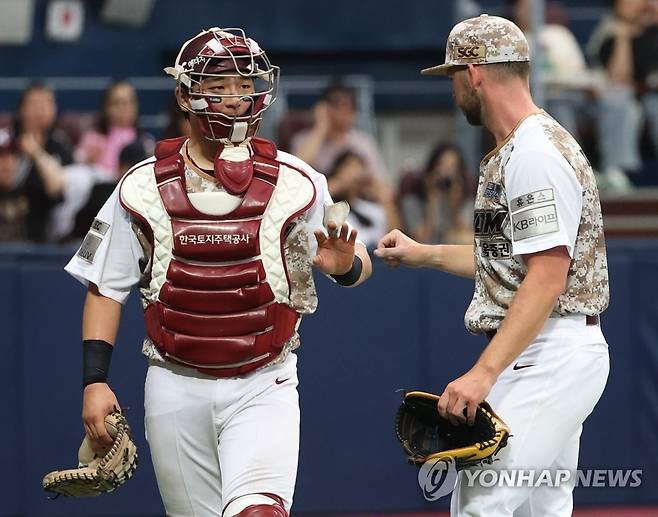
[(213, 440), (545, 406)]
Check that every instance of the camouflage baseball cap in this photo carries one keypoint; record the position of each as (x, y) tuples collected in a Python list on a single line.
[(482, 40)]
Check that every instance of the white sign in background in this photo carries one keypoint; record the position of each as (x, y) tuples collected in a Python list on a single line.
[(65, 20), (16, 22)]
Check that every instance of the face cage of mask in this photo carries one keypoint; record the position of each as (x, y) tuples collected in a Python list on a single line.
[(233, 128)]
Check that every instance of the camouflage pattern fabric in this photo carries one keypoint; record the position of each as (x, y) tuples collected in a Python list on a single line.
[(482, 40), (498, 274)]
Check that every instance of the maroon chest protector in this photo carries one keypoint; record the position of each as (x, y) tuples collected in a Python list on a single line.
[(216, 311)]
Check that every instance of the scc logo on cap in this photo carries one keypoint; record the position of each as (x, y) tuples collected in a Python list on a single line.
[(470, 51)]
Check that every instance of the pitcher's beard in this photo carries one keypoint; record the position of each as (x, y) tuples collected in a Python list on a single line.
[(471, 107), (472, 111)]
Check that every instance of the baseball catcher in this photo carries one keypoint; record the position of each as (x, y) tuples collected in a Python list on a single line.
[(426, 435), (95, 474)]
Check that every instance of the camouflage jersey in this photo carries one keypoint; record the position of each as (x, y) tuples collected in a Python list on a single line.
[(536, 191)]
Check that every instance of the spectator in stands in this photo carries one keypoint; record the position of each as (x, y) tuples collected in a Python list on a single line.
[(645, 53), (178, 123), (76, 186), (334, 132), (435, 205), (36, 115), (37, 142), (26, 200), (115, 128), (14, 206), (617, 45), (568, 82), (348, 180)]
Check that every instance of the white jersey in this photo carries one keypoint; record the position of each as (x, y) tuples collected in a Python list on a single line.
[(536, 191), (114, 255)]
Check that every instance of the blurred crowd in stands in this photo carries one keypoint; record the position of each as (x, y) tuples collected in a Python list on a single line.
[(53, 182), (611, 87), (50, 186)]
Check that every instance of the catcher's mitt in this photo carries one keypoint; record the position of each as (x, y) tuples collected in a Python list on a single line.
[(426, 435), (97, 475)]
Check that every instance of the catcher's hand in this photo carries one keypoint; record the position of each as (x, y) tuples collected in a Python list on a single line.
[(336, 251), (426, 435), (98, 474)]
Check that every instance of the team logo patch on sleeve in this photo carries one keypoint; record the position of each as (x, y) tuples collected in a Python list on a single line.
[(89, 246), (100, 227), (534, 198), (93, 240), (533, 222)]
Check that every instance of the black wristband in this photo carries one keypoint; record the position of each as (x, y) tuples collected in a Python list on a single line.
[(353, 275), (96, 356)]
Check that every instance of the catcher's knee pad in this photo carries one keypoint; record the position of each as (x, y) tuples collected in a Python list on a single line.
[(256, 505)]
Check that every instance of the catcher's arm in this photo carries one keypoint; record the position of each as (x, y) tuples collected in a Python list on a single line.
[(100, 321)]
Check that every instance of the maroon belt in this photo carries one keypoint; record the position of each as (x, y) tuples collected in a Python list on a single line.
[(592, 320), (589, 320)]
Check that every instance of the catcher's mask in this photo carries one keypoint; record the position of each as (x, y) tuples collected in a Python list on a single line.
[(225, 53)]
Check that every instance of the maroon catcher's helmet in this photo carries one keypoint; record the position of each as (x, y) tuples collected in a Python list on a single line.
[(219, 52)]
